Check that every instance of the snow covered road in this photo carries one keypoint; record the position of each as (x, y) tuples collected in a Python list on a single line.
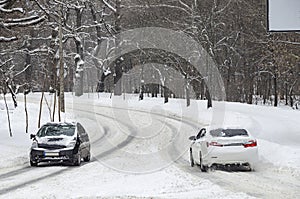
[(138, 153)]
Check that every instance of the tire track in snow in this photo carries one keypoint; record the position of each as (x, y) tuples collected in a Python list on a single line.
[(173, 151), (28, 182), (14, 172), (131, 136), (262, 184), (120, 145), (26, 169)]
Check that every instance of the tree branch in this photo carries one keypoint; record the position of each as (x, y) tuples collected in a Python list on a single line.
[(11, 10), (109, 6), (28, 21), (8, 39)]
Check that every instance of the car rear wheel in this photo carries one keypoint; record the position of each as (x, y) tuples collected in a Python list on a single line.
[(87, 158), (204, 168), (192, 163)]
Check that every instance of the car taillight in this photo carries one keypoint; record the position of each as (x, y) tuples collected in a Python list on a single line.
[(251, 143), (215, 144)]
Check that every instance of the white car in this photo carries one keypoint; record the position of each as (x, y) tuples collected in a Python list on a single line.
[(223, 146)]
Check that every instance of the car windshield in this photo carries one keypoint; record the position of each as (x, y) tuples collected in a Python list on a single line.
[(56, 130), (228, 132)]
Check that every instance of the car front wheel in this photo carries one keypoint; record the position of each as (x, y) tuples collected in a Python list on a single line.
[(33, 164), (87, 158), (77, 159)]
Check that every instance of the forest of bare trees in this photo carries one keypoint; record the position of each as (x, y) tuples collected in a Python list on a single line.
[(256, 65)]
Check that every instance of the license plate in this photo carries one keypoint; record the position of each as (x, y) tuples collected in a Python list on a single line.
[(51, 154)]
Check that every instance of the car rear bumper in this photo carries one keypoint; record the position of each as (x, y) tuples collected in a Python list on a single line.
[(231, 155), (41, 155)]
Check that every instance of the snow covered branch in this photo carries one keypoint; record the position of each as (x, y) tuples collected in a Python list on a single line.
[(88, 26), (288, 42), (7, 39), (222, 9), (4, 2), (5, 62), (159, 6), (22, 70), (21, 22), (109, 6), (185, 5), (70, 6), (11, 10)]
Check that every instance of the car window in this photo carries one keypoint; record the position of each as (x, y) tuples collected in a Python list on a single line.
[(80, 129), (228, 132), (56, 130)]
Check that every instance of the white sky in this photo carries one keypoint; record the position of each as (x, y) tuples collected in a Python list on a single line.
[(284, 15)]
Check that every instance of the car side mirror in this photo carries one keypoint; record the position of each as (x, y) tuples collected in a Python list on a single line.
[(32, 136), (193, 138), (202, 132)]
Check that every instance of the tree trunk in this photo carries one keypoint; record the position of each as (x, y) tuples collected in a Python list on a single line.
[(275, 89), (54, 107), (40, 111), (251, 90), (61, 71), (142, 92), (291, 98), (118, 68), (187, 92), (79, 49), (202, 89), (286, 93), (166, 95), (265, 91), (26, 113), (209, 100), (100, 75), (41, 104), (7, 112), (166, 91)]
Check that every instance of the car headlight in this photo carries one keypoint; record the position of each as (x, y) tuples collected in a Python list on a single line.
[(71, 144), (34, 144)]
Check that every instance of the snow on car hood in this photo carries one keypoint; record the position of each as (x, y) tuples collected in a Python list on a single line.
[(55, 140)]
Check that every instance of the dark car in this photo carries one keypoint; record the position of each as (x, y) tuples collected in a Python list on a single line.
[(60, 142)]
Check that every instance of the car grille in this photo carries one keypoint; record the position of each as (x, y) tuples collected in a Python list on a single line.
[(51, 146)]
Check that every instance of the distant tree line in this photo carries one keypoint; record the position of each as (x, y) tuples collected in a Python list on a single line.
[(255, 65)]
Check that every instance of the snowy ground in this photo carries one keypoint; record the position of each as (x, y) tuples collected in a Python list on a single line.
[(139, 150)]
